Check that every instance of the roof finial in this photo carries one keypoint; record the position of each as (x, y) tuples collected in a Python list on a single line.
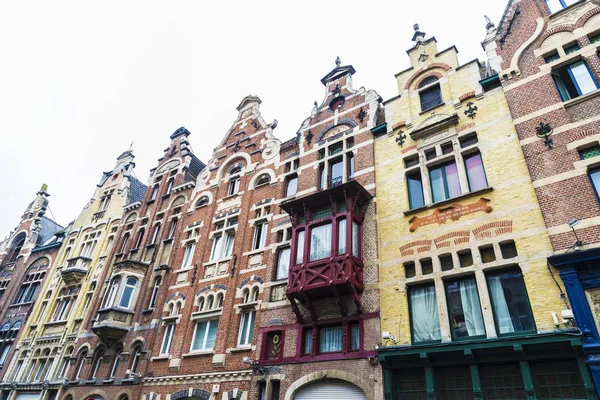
[(488, 23), (418, 36), (338, 62)]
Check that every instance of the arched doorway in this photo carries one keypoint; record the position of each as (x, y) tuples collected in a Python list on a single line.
[(327, 389)]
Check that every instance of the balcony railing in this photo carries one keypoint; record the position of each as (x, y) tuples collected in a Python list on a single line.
[(340, 274), (76, 269)]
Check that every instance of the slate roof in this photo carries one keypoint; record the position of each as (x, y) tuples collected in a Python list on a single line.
[(49, 228), (137, 190), (196, 166)]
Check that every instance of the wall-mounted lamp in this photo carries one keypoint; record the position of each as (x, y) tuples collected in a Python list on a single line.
[(578, 243)]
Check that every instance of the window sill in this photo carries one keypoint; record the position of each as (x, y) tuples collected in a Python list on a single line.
[(564, 10), (147, 311), (581, 99), (165, 196), (207, 314), (199, 353), (241, 349), (55, 323), (150, 246), (108, 380), (149, 202), (231, 196), (21, 304), (251, 305), (161, 357), (432, 108), (169, 240), (448, 201), (171, 318), (219, 261)]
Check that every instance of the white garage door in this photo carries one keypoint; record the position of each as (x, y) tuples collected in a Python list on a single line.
[(328, 389), (28, 396)]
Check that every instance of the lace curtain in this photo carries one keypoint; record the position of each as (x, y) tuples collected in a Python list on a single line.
[(320, 242), (425, 319)]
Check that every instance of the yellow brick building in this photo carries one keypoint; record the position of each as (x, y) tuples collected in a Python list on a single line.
[(47, 348), (469, 306)]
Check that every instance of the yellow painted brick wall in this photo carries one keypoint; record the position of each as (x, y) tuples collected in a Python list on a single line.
[(512, 198)]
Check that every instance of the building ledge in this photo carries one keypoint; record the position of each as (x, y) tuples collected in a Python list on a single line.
[(448, 201), (581, 99)]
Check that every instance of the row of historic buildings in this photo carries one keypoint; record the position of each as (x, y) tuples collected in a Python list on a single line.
[(443, 243)]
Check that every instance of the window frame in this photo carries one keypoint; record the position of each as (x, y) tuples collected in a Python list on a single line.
[(208, 322), (555, 73), (167, 339), (428, 85), (411, 317), (591, 172), (492, 301), (458, 279), (245, 319), (130, 289)]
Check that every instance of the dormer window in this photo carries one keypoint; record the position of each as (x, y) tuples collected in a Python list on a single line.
[(430, 93), (104, 202), (263, 180)]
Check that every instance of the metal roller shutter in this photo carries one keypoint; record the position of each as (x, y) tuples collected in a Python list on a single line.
[(28, 396), (328, 389)]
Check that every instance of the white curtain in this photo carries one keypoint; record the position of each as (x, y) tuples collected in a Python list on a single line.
[(471, 308), (300, 248), (330, 339), (342, 236), (354, 239), (505, 324), (229, 244), (320, 242), (425, 319), (283, 264)]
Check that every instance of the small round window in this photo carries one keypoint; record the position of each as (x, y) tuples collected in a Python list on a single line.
[(337, 103)]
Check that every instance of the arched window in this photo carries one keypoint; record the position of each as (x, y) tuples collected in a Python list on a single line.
[(135, 360), (210, 302), (138, 242), (154, 193), (202, 201), (115, 366), (220, 300), (234, 180), (263, 180), (112, 292), (125, 240), (255, 294), (97, 361), (201, 304), (178, 308), (430, 93), (16, 247), (155, 289), (80, 361), (172, 228), (246, 295), (155, 234), (128, 291)]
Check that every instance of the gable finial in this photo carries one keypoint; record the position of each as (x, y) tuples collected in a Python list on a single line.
[(488, 23), (418, 36), (338, 62)]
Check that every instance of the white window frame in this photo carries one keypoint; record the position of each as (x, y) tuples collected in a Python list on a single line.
[(207, 329), (167, 342), (247, 319), (188, 255), (259, 239), (132, 288)]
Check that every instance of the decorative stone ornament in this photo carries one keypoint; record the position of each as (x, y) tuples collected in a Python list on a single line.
[(400, 138), (543, 131), (471, 110)]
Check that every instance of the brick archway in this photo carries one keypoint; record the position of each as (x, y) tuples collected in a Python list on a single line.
[(329, 374), (191, 394)]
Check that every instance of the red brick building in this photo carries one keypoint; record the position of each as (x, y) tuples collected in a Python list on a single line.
[(547, 55), (123, 322), (25, 256)]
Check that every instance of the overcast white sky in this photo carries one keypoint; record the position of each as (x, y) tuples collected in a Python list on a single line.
[(81, 80)]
